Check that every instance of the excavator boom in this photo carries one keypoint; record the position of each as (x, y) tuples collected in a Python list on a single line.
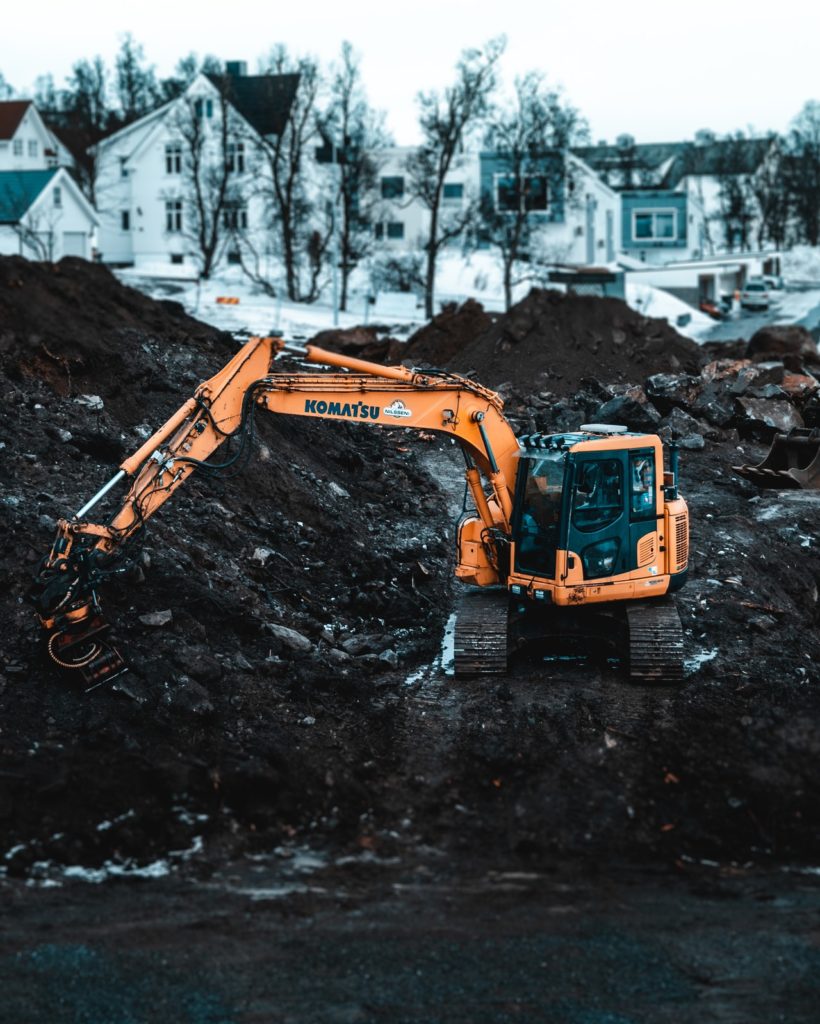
[(85, 552)]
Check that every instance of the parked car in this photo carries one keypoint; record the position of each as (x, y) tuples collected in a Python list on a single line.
[(773, 282), (755, 294)]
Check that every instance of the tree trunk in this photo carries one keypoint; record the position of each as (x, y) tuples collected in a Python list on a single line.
[(430, 277), (507, 283)]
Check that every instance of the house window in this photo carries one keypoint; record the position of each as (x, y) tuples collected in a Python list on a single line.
[(453, 190), (32, 147), (528, 192), (18, 147), (58, 196), (177, 257), (173, 158), (393, 188), (236, 157), (123, 168), (173, 215), (395, 229), (378, 230), (654, 225), (235, 216), (203, 108), (125, 220)]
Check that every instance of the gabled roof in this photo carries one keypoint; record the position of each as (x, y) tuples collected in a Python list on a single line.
[(19, 190), (665, 164), (263, 100), (12, 113)]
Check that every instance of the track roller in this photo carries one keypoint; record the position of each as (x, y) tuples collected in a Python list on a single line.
[(481, 633), (655, 643)]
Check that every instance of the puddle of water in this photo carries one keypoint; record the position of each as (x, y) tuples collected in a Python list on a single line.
[(444, 662)]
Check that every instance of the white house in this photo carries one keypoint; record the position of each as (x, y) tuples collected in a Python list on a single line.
[(44, 215), (401, 221), (26, 143), (145, 187)]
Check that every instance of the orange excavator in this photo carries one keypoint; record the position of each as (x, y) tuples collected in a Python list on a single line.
[(564, 525)]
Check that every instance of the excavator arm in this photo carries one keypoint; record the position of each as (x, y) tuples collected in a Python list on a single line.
[(221, 413)]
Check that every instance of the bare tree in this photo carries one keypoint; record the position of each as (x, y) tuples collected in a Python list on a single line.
[(530, 141), (354, 131), (295, 217), (770, 188), (737, 205), (445, 120), (136, 82), (186, 70), (84, 117), (802, 172), (6, 91), (208, 156)]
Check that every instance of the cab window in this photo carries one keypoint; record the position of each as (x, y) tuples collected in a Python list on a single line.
[(642, 484), (598, 495)]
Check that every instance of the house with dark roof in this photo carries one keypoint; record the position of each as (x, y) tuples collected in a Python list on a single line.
[(44, 215), (26, 142), (158, 179), (683, 200)]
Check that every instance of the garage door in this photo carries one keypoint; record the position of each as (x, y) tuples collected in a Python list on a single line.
[(74, 243)]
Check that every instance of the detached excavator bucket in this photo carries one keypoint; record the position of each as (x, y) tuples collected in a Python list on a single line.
[(792, 461)]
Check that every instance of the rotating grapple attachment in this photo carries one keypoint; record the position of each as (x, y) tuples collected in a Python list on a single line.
[(64, 596), (792, 461)]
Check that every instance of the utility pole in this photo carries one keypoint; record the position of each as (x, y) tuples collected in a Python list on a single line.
[(337, 255)]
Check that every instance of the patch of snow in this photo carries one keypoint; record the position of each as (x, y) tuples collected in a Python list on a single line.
[(691, 665), (94, 876), (656, 302)]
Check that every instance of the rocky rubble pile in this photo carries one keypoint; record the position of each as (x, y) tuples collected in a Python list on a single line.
[(770, 385)]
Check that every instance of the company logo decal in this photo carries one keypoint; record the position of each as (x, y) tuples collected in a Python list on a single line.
[(353, 410), (398, 410)]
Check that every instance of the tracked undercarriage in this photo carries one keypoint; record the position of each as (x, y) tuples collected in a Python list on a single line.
[(490, 627)]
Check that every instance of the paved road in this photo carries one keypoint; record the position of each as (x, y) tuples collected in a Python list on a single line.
[(793, 306)]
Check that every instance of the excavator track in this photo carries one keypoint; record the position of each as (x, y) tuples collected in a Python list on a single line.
[(481, 633), (655, 643)]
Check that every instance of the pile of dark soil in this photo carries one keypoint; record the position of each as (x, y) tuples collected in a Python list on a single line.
[(272, 620), (562, 339), (254, 602), (448, 334)]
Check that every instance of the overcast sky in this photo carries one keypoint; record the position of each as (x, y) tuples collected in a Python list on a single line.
[(657, 71)]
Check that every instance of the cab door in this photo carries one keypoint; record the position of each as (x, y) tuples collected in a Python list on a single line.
[(612, 506), (598, 516)]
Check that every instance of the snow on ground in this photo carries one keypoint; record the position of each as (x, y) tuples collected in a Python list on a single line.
[(256, 313), (801, 265), (460, 277), (656, 302)]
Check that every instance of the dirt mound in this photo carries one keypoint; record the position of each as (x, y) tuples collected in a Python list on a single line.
[(275, 621), (75, 326), (254, 601), (563, 339), (448, 334), (369, 343)]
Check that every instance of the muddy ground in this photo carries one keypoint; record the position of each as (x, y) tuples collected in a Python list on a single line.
[(231, 737)]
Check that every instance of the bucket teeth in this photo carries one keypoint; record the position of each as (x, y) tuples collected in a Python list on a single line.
[(792, 461)]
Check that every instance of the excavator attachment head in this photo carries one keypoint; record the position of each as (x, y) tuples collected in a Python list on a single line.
[(82, 649), (792, 461)]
